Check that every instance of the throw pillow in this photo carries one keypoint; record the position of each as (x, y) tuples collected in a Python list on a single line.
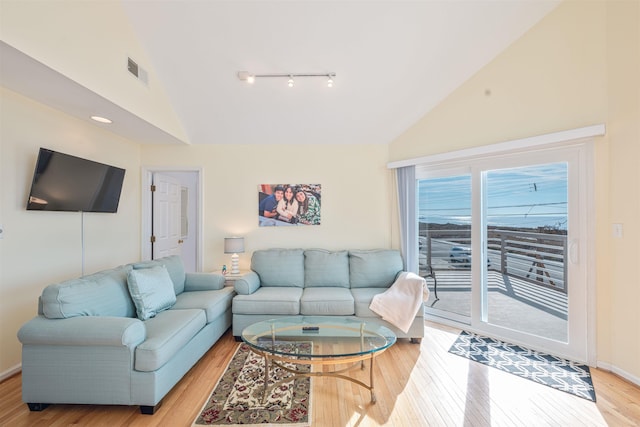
[(151, 290)]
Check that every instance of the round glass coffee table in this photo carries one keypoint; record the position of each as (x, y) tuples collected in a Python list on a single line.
[(334, 341)]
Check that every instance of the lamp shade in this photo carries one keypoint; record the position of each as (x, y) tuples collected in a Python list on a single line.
[(233, 245)]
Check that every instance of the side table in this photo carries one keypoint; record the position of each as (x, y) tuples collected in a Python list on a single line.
[(229, 278)]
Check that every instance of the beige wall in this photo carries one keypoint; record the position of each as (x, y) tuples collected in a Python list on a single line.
[(89, 42), (620, 281), (39, 248), (355, 194), (578, 67)]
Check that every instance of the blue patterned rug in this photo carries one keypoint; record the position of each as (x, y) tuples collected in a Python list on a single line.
[(535, 366)]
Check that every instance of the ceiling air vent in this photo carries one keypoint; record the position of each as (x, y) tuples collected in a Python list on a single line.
[(132, 67), (137, 71)]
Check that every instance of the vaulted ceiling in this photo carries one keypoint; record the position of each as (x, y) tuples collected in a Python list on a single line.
[(394, 61)]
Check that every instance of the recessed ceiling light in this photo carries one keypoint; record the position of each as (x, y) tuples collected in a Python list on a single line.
[(101, 119)]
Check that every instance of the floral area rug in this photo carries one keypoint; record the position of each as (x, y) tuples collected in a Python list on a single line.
[(542, 368), (237, 398)]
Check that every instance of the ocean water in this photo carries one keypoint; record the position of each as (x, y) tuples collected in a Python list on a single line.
[(520, 221)]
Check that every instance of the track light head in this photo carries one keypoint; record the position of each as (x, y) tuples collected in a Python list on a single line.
[(330, 81), (246, 76)]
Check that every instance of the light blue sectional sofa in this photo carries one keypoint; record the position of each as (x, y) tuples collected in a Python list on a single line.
[(317, 282), (123, 336)]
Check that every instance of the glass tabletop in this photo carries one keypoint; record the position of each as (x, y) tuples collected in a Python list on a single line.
[(330, 336)]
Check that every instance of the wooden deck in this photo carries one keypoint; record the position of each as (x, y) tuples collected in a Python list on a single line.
[(536, 309)]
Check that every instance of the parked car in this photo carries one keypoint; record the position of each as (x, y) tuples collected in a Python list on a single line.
[(461, 256)]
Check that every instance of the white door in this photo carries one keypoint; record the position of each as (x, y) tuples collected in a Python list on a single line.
[(166, 201)]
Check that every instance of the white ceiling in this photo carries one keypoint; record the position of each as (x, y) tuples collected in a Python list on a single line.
[(394, 61)]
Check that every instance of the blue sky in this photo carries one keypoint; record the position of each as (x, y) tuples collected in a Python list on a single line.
[(530, 196)]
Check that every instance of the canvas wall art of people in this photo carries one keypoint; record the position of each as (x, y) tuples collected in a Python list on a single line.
[(289, 204)]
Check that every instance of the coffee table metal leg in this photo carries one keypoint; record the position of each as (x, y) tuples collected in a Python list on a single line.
[(373, 395), (266, 376)]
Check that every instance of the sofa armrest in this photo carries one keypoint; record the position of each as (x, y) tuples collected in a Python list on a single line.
[(203, 282), (247, 284), (83, 331)]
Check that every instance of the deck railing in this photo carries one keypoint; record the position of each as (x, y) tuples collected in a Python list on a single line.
[(540, 258)]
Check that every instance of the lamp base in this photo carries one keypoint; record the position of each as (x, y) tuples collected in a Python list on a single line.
[(234, 264)]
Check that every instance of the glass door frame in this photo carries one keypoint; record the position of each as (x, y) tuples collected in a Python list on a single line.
[(580, 245)]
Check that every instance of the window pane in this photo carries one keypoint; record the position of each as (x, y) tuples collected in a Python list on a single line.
[(526, 245), (444, 217)]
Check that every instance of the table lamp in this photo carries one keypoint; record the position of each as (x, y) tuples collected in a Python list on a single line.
[(234, 245)]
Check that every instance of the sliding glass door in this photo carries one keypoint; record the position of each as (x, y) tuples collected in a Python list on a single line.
[(503, 244)]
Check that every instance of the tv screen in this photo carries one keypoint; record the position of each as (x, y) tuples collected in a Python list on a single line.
[(62, 182)]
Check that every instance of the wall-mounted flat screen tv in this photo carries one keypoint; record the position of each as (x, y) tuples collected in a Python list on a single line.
[(62, 182)]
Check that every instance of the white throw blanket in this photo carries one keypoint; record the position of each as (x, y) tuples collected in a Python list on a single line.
[(400, 303)]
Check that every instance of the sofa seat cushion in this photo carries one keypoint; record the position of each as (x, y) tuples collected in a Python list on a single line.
[(167, 333), (324, 268), (279, 267), (214, 303), (363, 297), (269, 301), (329, 301), (99, 294)]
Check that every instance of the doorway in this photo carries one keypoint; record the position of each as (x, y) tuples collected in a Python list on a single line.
[(189, 214)]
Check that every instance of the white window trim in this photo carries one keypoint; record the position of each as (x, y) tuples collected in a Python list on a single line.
[(540, 141)]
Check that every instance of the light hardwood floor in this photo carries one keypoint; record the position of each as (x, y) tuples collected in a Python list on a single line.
[(416, 385)]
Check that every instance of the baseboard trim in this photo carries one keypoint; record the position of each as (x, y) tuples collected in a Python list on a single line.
[(10, 372), (619, 372)]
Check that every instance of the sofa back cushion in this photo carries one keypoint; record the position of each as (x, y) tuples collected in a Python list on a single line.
[(375, 268), (279, 267), (324, 268), (101, 294), (174, 266)]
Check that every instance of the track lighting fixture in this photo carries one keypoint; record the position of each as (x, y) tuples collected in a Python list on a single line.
[(251, 78)]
